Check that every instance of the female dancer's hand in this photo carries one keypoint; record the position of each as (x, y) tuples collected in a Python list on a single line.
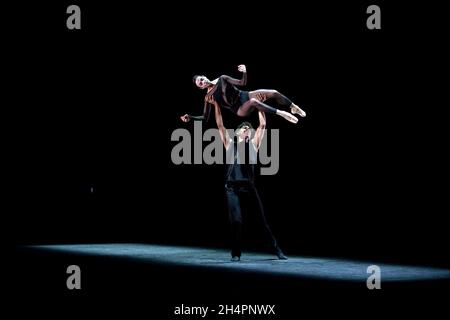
[(185, 118), (242, 68)]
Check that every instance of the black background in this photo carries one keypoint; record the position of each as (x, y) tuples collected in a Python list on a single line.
[(364, 175)]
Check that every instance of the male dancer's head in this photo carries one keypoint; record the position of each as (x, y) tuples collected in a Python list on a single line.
[(243, 131)]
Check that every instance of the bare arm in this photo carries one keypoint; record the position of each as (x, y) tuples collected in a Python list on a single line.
[(259, 134), (222, 130)]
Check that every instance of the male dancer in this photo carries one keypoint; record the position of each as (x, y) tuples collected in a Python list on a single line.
[(240, 179)]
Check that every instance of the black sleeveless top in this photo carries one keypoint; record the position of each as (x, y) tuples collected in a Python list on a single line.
[(241, 167)]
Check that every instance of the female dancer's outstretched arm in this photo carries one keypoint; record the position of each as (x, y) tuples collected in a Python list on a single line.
[(205, 116)]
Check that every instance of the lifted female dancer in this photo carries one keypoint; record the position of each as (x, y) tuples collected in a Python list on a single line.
[(223, 93)]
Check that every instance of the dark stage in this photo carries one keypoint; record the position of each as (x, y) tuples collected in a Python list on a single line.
[(131, 280), (263, 264), (90, 179)]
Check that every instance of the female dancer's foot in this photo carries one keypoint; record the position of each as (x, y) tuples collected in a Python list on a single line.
[(289, 117), (295, 109)]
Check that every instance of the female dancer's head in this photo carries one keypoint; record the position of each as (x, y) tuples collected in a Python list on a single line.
[(201, 81)]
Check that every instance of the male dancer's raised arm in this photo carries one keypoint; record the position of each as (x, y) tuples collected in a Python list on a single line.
[(259, 134), (222, 130)]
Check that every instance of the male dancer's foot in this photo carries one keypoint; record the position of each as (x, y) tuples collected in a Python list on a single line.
[(289, 117), (236, 259), (280, 254), (295, 109)]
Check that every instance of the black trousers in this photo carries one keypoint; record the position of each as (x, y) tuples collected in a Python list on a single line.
[(235, 192)]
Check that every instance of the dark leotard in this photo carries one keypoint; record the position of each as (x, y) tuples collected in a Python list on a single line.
[(226, 95)]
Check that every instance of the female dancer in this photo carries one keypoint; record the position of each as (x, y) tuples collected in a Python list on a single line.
[(222, 92)]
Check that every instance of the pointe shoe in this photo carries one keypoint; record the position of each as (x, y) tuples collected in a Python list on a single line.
[(289, 117), (296, 110)]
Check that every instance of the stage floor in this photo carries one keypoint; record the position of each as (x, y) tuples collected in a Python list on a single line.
[(257, 263)]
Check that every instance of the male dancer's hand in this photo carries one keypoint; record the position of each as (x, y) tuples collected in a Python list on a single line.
[(185, 118), (242, 68)]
